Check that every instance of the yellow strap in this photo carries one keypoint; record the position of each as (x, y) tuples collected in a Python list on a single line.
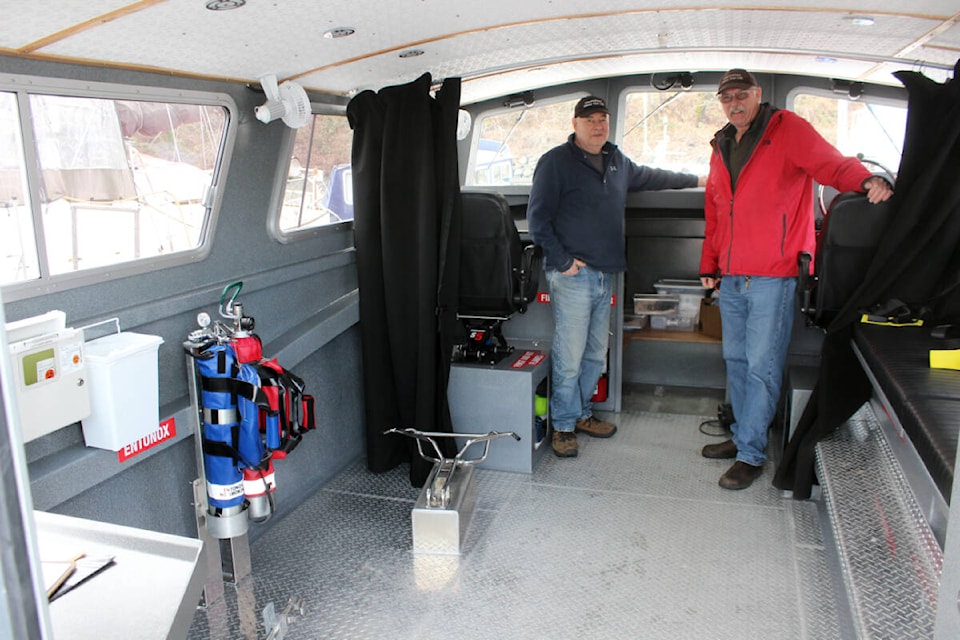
[(886, 322), (945, 359)]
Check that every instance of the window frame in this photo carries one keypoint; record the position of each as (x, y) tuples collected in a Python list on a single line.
[(23, 86), (280, 185), (476, 130), (618, 129), (826, 93)]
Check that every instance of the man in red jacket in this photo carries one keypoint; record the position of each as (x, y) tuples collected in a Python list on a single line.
[(759, 216)]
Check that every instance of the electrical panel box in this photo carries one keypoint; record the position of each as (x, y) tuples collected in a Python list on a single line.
[(50, 371)]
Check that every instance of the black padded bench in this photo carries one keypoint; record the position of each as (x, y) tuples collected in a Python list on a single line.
[(926, 401)]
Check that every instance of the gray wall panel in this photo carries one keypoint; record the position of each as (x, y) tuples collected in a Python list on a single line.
[(156, 493), (302, 295)]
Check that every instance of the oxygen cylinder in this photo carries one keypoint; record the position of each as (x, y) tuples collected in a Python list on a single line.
[(255, 464), (220, 425), (258, 486), (247, 347)]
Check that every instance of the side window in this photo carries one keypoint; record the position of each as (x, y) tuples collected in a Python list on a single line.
[(861, 127), (509, 143), (113, 181), (19, 260), (671, 130), (319, 187)]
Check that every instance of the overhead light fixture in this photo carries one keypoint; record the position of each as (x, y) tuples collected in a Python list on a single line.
[(859, 21), (224, 5), (339, 32), (826, 59), (411, 53)]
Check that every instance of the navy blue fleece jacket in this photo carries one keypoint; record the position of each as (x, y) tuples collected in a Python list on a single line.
[(575, 212)]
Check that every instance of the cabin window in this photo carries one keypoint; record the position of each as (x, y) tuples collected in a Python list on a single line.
[(666, 130), (318, 190), (671, 130), (89, 182), (872, 129), (510, 143), (18, 259)]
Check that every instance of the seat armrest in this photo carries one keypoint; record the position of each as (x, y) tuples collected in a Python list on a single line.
[(804, 283), (529, 276)]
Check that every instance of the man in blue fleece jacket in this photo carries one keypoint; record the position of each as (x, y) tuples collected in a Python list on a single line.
[(576, 215)]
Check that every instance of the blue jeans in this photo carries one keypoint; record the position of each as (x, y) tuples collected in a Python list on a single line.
[(757, 315), (581, 319)]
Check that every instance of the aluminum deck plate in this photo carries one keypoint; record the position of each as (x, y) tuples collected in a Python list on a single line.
[(632, 539), (890, 557)]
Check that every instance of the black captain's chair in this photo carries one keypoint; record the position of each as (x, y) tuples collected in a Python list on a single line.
[(848, 238), (498, 275)]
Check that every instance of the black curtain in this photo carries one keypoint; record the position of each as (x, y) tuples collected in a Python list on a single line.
[(406, 209), (917, 262)]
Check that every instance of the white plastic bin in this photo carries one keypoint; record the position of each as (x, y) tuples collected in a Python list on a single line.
[(122, 376)]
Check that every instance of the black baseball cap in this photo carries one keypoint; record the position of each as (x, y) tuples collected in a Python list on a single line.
[(590, 105), (736, 79)]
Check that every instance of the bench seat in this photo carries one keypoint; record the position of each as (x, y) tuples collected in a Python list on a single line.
[(926, 401)]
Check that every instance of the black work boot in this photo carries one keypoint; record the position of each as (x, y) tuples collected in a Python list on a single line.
[(720, 451), (740, 476)]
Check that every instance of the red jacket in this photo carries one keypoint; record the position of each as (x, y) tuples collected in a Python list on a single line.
[(759, 228)]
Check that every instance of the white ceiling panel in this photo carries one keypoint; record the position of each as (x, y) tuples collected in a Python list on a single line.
[(497, 46), (639, 42), (26, 21), (949, 37)]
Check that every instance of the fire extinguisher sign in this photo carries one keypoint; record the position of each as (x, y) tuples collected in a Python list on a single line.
[(167, 431), (543, 297)]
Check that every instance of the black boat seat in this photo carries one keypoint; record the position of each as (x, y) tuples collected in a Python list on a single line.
[(498, 275)]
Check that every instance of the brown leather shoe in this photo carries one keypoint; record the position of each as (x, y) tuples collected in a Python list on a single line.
[(740, 476), (595, 428), (564, 444), (720, 451)]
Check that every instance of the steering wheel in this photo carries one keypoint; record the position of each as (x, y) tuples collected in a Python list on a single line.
[(825, 194)]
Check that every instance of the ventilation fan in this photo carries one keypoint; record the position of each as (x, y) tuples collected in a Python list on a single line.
[(288, 102)]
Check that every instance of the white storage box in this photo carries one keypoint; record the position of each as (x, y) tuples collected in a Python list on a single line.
[(122, 376)]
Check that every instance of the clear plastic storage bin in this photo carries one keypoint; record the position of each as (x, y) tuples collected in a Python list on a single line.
[(635, 323), (649, 304), (689, 293), (673, 323)]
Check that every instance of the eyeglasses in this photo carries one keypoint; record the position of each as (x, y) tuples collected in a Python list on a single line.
[(739, 96)]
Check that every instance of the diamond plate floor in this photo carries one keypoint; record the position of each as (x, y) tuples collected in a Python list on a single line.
[(632, 539), (891, 559)]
